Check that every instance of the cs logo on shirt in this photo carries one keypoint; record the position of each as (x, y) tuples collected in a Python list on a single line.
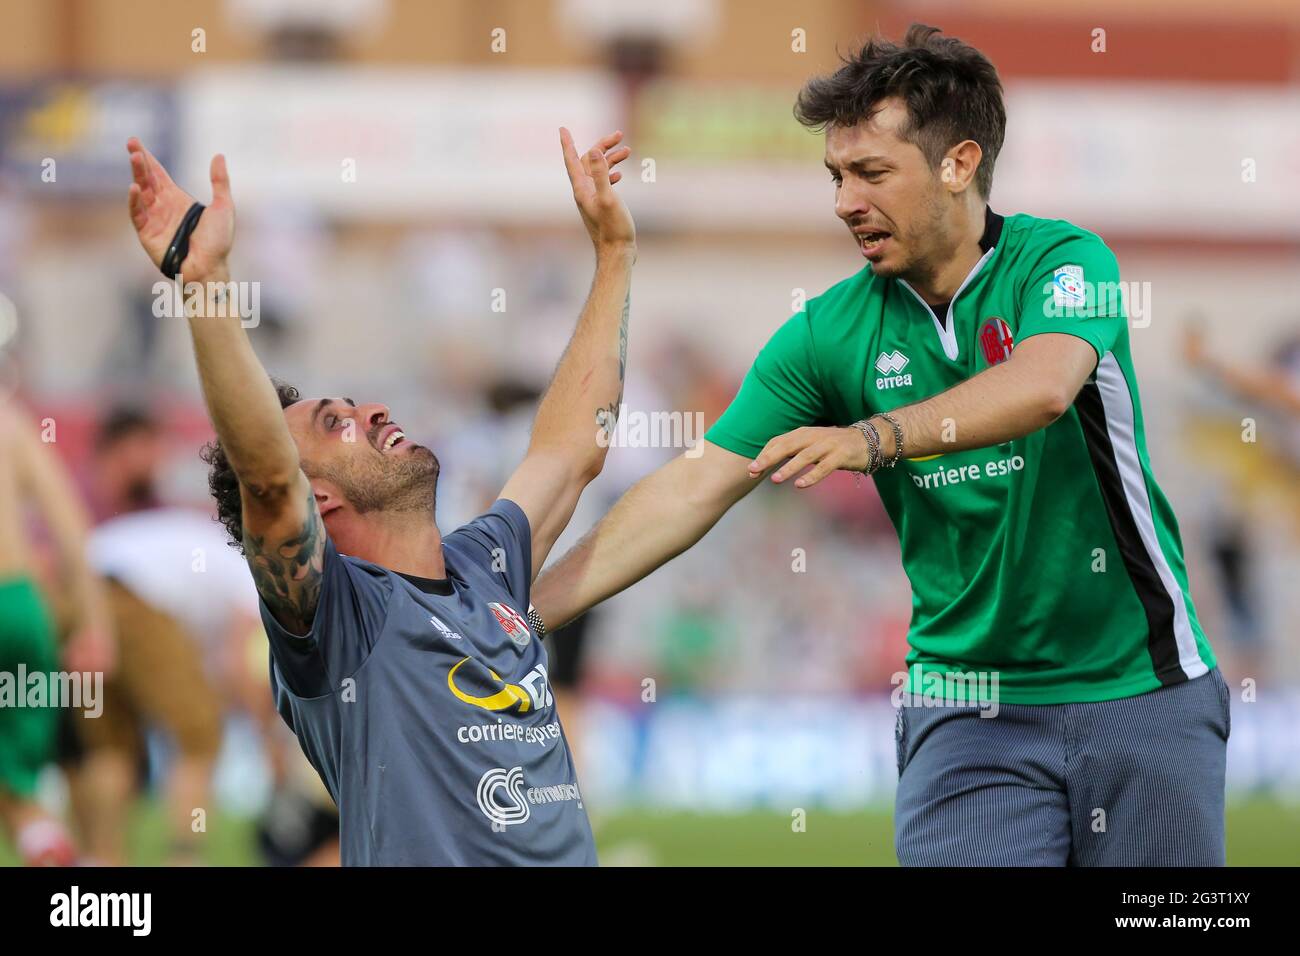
[(501, 797), (504, 801)]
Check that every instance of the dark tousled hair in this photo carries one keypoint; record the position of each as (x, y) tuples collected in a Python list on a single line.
[(951, 90), (222, 481)]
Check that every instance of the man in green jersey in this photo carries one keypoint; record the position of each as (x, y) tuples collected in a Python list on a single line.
[(979, 367)]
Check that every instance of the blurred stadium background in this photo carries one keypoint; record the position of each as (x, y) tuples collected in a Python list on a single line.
[(404, 209)]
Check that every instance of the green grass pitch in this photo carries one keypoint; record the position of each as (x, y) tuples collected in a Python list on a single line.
[(1261, 832)]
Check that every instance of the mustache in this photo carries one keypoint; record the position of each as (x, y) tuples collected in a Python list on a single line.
[(372, 435), (863, 223)]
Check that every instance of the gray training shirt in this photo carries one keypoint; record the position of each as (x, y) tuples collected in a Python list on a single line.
[(425, 708)]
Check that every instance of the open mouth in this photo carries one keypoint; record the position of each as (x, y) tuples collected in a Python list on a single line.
[(872, 243), (392, 437)]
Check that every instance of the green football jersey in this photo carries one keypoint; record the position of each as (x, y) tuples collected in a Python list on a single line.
[(1051, 563)]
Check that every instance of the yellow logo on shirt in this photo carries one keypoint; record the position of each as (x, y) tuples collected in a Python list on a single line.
[(531, 693)]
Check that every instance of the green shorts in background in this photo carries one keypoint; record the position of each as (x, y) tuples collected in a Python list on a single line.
[(27, 734)]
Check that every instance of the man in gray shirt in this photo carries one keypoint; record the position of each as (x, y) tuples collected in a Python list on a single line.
[(404, 660)]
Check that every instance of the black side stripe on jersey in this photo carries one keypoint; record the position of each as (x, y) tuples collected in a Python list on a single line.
[(1162, 644)]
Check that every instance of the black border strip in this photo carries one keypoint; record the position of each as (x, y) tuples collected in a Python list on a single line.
[(1162, 643)]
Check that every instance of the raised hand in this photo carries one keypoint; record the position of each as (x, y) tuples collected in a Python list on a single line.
[(157, 206), (592, 176)]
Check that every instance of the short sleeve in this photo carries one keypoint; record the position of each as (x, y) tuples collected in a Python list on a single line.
[(501, 541), (1075, 289), (350, 615), (781, 392)]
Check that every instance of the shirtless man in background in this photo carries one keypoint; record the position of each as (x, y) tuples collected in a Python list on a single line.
[(31, 476)]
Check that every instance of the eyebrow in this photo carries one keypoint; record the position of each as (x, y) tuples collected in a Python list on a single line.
[(859, 164), (323, 404)]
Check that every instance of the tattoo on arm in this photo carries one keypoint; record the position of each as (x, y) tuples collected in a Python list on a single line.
[(607, 416), (288, 573), (622, 336)]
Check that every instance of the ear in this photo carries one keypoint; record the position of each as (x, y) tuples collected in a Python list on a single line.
[(957, 170)]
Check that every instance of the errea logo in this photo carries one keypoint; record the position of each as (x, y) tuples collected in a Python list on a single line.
[(891, 362), (889, 365)]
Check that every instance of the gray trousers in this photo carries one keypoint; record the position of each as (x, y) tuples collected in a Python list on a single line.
[(1131, 782)]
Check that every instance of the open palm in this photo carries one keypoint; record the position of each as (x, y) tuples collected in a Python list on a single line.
[(157, 206), (592, 176)]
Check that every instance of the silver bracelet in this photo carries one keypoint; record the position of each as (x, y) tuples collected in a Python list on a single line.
[(873, 444), (898, 437)]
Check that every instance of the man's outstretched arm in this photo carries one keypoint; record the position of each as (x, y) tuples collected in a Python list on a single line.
[(565, 451), (1007, 401), (657, 519), (669, 511), (283, 535)]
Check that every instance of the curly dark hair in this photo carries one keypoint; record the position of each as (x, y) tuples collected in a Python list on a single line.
[(222, 481), (951, 90)]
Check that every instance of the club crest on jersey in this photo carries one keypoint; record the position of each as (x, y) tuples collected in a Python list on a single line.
[(890, 365), (1067, 286), (512, 623), (996, 341)]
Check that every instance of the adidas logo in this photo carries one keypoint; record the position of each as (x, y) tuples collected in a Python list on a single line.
[(444, 630)]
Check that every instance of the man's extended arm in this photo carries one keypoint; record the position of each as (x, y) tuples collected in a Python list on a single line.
[(283, 536), (579, 407), (1032, 389), (657, 519)]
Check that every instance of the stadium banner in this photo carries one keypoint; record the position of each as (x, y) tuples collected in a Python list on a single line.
[(1136, 158), (1154, 159), (66, 138), (394, 144), (737, 754)]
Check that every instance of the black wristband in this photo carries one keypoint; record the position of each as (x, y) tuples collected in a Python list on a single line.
[(536, 623), (180, 244)]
